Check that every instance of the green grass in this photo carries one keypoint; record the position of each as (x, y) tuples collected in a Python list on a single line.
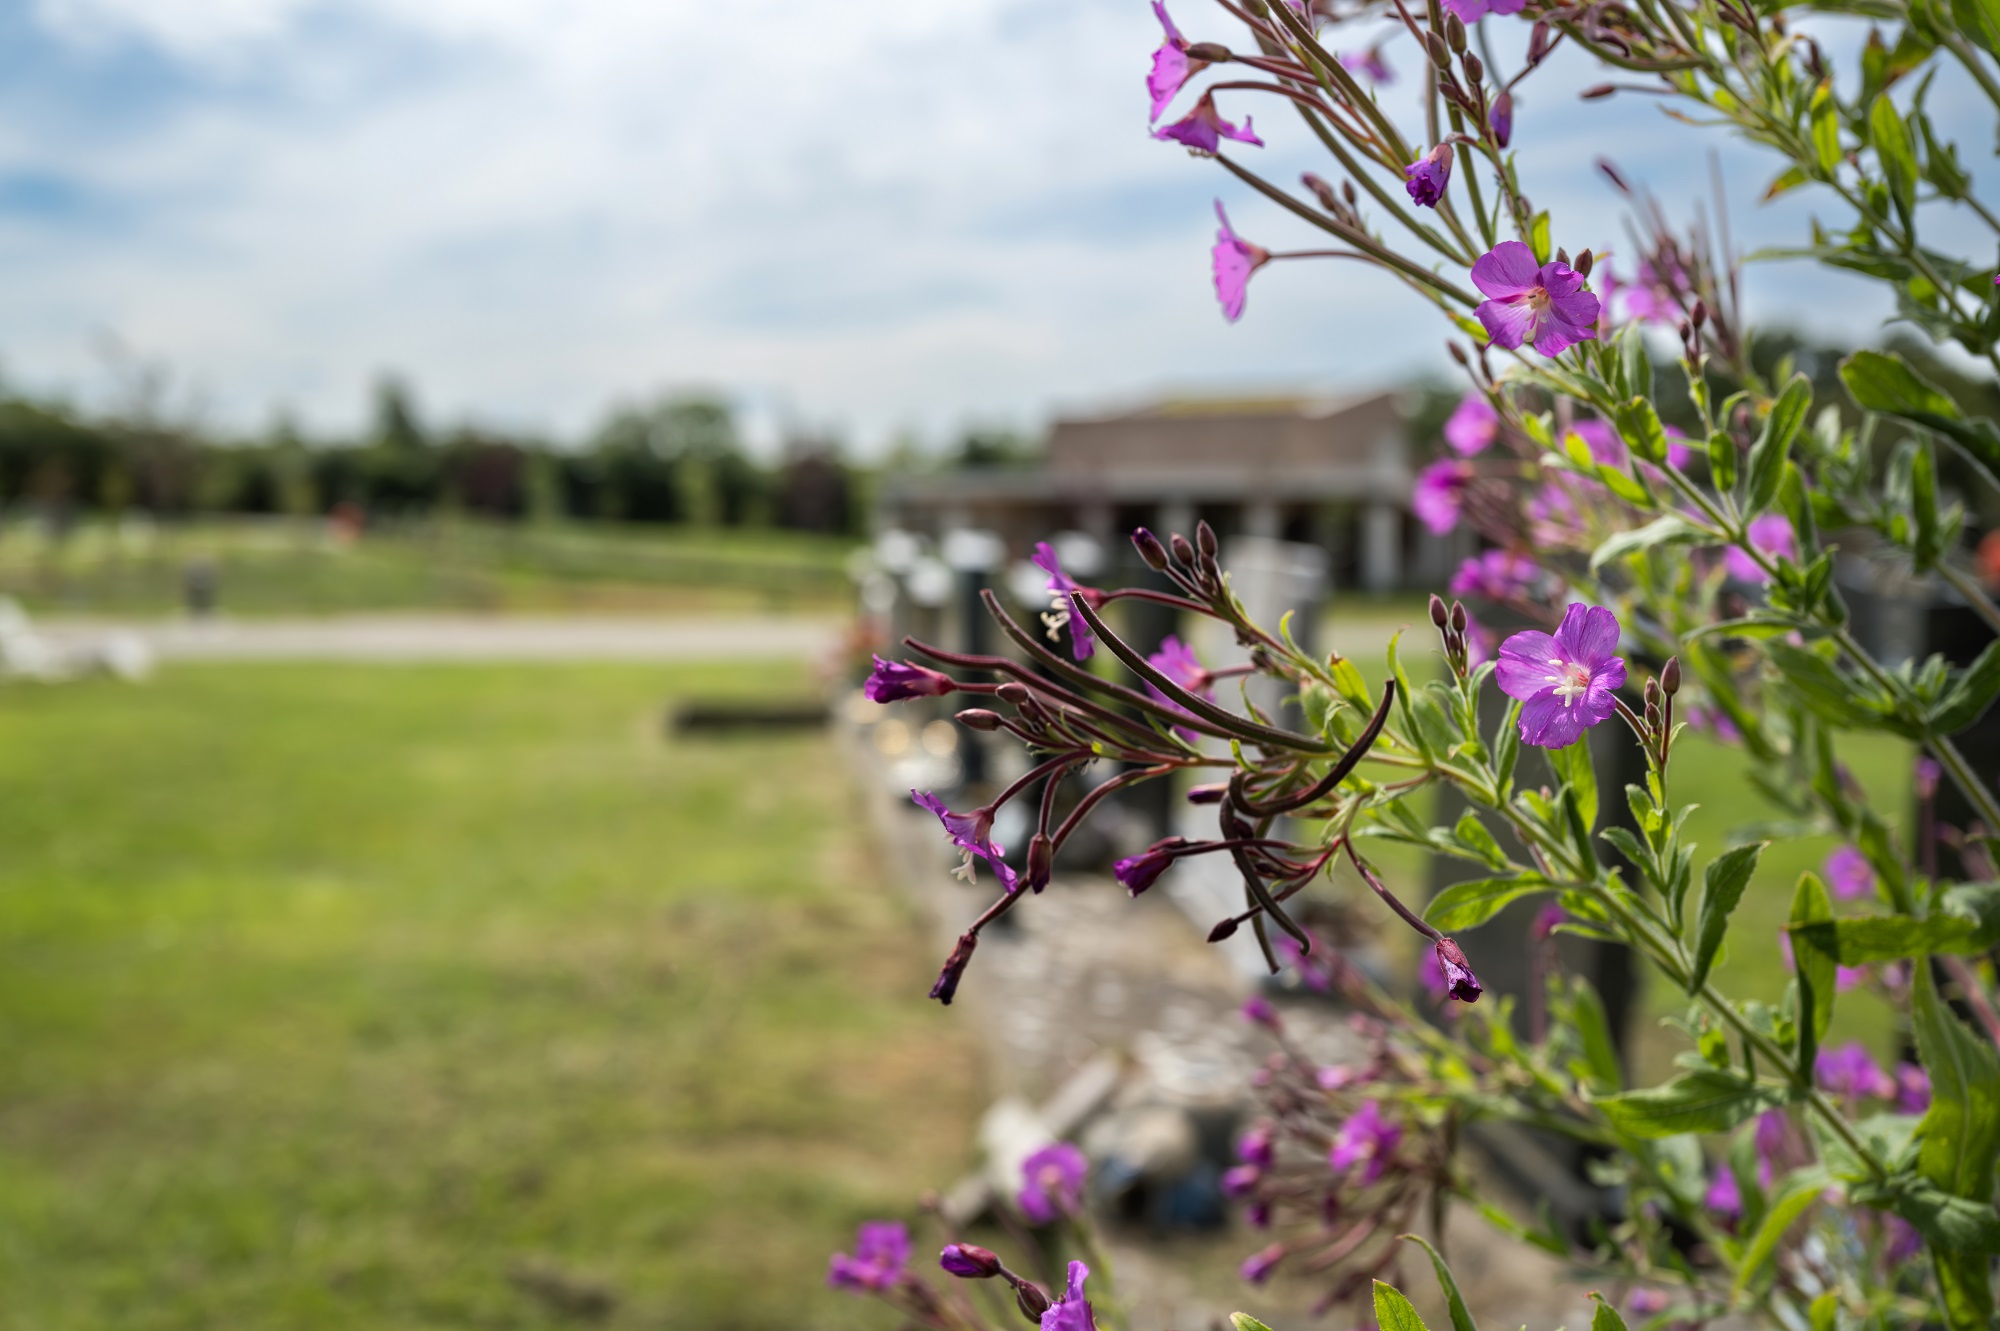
[(337, 997), (286, 567)]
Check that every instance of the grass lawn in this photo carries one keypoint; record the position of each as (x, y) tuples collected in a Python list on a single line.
[(352, 997), (291, 567)]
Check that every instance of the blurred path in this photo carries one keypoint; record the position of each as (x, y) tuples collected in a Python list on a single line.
[(418, 638)]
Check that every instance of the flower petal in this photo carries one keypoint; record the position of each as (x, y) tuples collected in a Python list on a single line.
[(1509, 269), (1509, 322), (1548, 724), (1588, 636)]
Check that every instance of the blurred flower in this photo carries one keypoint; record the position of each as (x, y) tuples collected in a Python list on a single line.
[(1848, 873), (1473, 426), (1771, 534), (1723, 1196), (972, 834), (1203, 128), (1312, 968), (1258, 1011), (1913, 1088), (1440, 493), (1369, 63), (1713, 721), (1366, 1138), (1072, 1311), (1471, 11), (1772, 1132), (1257, 1267), (1233, 260), (1603, 442), (1459, 981), (1544, 306), (1082, 642), (1678, 452), (1238, 1180), (1927, 773), (1177, 661), (1172, 65), (1479, 643), (1905, 1244), (1138, 872), (1497, 575), (1649, 300), (1849, 1072), (881, 1248), (1255, 1147), (1546, 920), (1646, 1302), (893, 681), (1566, 683), (1427, 178), (1052, 1182)]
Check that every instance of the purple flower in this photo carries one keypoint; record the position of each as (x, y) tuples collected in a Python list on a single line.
[(1366, 1138), (1257, 1267), (1715, 721), (1479, 642), (881, 1248), (1177, 661), (1650, 300), (1172, 65), (1678, 452), (1913, 1088), (1473, 426), (1502, 118), (1771, 534), (1849, 1072), (1545, 307), (1369, 63), (1848, 873), (1440, 494), (1428, 176), (1257, 1215), (1234, 259), (1312, 968), (1072, 1311), (1723, 1196), (1203, 128), (1052, 1182), (1082, 642), (1255, 1147), (1238, 1180), (1138, 872), (1257, 1010), (1770, 1137), (972, 834), (1566, 683), (1905, 1244), (1646, 1302), (1497, 575), (1546, 921), (1459, 981), (1927, 774), (968, 1261), (893, 681), (1471, 11)]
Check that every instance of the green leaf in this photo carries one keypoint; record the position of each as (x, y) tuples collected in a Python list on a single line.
[(1472, 834), (1823, 1313), (1469, 905), (1598, 1069), (1393, 1312), (1825, 129), (1928, 544), (1625, 485), (1785, 182), (1722, 888), (1538, 237), (1722, 460), (1573, 768), (1886, 383), (1604, 1317), (1961, 1137), (1767, 455), (1461, 1316), (1819, 686), (1634, 365), (1245, 1322), (1814, 949), (1710, 1100), (1639, 425), (1970, 694), (1800, 1190), (1669, 530), (1979, 20), (1897, 154), (1948, 1221), (1967, 924)]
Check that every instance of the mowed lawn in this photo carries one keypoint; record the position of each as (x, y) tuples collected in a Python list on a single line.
[(447, 997)]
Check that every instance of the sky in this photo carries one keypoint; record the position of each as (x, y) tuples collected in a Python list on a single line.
[(881, 219)]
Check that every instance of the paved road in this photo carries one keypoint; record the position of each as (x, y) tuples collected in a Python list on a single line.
[(416, 638)]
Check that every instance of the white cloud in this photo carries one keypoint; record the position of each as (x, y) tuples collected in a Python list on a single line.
[(876, 214)]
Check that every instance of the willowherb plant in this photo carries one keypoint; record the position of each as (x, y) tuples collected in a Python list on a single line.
[(1671, 528)]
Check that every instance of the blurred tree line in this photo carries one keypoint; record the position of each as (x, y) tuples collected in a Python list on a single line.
[(678, 460)]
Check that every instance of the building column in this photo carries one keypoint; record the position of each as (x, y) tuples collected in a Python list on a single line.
[(1381, 547)]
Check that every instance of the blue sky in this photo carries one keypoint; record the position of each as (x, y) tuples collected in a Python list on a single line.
[(871, 218)]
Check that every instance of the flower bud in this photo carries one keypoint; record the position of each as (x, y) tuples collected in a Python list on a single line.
[(1458, 354), (1670, 676), (1321, 191), (1538, 42), (968, 1261), (1584, 263), (1454, 32), (1596, 92), (1459, 618), (1028, 1296), (1439, 53), (1562, 256), (1699, 314), (1204, 539), (1013, 691), (1041, 861), (978, 718), (1225, 929), (1459, 980), (1651, 693), (1439, 615), (1209, 794), (954, 968), (1475, 69), (1348, 193), (1182, 550), (1213, 52), (1502, 118), (1150, 549)]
